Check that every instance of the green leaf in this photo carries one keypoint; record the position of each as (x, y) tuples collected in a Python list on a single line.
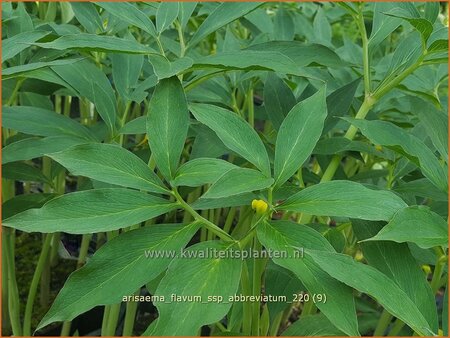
[(42, 122), (96, 43), (303, 54), (312, 325), (290, 238), (12, 72), (422, 25), (437, 46), (345, 199), (232, 201), (279, 281), (283, 26), (322, 28), (339, 103), (238, 181), (167, 125), (34, 147), (87, 15), (383, 25), (111, 164), (415, 224), (185, 11), (399, 140), (24, 202), (202, 277), (91, 211), (136, 126), (201, 171), (298, 135), (20, 171), (165, 15), (101, 283), (14, 45), (222, 15), (235, 133), (278, 99), (163, 68), (249, 60), (126, 69), (105, 105), (396, 261), (129, 13), (369, 280)]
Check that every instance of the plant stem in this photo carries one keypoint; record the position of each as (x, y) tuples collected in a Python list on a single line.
[(130, 315), (246, 306), (365, 47), (251, 108), (383, 323), (257, 272), (34, 284), (437, 273), (211, 226), (113, 318), (396, 327), (13, 292), (13, 97)]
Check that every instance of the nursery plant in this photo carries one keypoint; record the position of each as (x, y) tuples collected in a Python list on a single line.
[(224, 169)]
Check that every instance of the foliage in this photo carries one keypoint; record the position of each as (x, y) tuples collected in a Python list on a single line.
[(311, 137)]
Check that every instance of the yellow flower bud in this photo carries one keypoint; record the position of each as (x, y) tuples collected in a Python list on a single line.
[(359, 256), (378, 147), (259, 206), (426, 269), (440, 333)]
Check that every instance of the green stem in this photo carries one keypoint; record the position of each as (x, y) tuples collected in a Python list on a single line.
[(130, 315), (84, 248), (211, 226), (251, 108), (65, 330), (13, 292), (365, 47), (383, 323), (257, 272), (396, 327), (246, 306), (113, 318), (34, 284), (437, 274), (13, 97)]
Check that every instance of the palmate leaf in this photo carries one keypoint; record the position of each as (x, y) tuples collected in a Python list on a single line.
[(167, 125), (345, 199), (201, 277), (289, 237), (91, 211), (111, 164), (101, 280)]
